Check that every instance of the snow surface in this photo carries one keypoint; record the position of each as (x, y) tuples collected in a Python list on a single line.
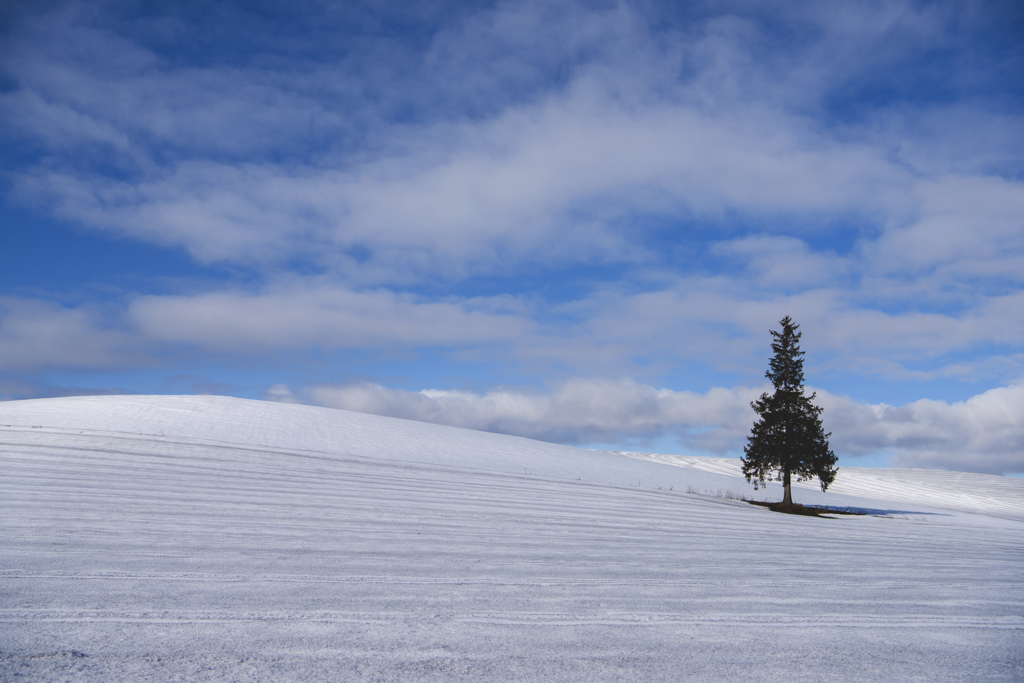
[(208, 538)]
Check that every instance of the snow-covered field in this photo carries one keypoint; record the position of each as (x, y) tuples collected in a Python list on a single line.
[(207, 538)]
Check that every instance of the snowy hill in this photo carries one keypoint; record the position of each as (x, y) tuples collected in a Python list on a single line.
[(211, 538), (329, 431)]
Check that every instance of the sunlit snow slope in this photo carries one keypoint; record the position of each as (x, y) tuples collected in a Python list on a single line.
[(965, 491), (207, 538)]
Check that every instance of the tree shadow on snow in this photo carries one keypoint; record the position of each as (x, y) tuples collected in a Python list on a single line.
[(828, 511)]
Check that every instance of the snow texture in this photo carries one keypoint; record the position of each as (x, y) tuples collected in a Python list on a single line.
[(207, 538)]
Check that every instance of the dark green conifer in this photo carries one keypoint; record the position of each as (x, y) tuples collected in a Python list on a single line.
[(788, 439)]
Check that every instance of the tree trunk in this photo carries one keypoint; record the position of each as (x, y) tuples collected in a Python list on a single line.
[(787, 497)]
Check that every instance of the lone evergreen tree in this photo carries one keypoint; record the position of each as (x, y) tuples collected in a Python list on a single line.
[(788, 439)]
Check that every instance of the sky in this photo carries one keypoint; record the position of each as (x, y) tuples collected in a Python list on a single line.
[(572, 221)]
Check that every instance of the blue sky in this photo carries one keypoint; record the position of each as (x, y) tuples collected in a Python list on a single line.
[(570, 221)]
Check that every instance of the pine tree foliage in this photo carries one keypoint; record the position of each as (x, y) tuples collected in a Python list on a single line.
[(788, 438)]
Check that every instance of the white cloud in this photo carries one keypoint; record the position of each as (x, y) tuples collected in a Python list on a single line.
[(548, 182), (697, 322), (982, 434), (40, 334), (578, 411), (971, 227), (303, 317), (724, 323), (787, 263)]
